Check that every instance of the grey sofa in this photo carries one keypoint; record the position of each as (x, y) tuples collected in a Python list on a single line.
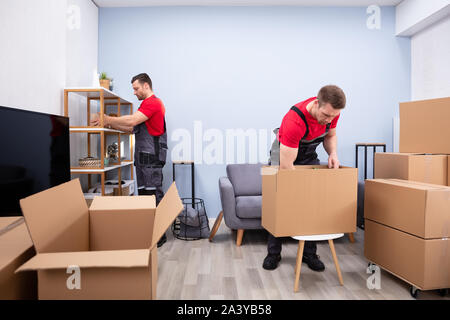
[(241, 197)]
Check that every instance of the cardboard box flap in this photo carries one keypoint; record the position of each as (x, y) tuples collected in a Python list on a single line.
[(122, 203), (14, 240), (88, 259), (58, 218), (8, 223), (166, 212), (410, 184), (269, 170)]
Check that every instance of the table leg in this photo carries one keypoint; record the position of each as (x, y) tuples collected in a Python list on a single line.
[(298, 266), (336, 263)]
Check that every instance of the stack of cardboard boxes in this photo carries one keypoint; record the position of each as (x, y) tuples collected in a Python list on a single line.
[(407, 205)]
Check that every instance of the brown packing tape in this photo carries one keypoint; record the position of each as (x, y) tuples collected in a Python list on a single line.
[(12, 225)]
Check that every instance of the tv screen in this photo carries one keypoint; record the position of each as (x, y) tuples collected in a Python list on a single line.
[(35, 155)]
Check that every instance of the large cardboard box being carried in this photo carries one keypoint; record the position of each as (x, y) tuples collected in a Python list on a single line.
[(15, 249), (422, 263), (417, 208), (424, 126), (105, 252), (412, 166), (309, 200)]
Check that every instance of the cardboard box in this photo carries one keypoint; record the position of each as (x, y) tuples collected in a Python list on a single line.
[(412, 166), (15, 249), (89, 197), (448, 171), (424, 126), (108, 252), (417, 208), (422, 263), (309, 200)]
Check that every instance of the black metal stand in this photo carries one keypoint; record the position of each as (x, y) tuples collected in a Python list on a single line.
[(192, 175), (190, 225), (366, 145)]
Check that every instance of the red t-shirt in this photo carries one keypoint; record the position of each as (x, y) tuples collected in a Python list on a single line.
[(293, 128), (154, 109)]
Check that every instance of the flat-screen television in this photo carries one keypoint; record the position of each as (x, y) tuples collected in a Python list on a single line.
[(34, 156)]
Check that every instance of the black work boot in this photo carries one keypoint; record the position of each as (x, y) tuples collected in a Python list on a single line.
[(162, 240), (313, 262), (271, 261)]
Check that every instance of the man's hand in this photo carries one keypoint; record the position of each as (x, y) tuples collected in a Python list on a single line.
[(95, 119), (333, 161)]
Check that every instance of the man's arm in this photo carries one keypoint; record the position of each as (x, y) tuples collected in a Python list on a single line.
[(123, 123), (330, 145), (123, 128), (287, 156)]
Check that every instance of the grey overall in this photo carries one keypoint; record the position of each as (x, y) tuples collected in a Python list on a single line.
[(149, 158), (306, 155)]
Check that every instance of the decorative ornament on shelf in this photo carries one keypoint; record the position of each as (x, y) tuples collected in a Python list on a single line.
[(113, 151), (89, 162)]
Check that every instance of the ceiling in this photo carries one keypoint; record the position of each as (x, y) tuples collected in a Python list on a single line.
[(328, 3)]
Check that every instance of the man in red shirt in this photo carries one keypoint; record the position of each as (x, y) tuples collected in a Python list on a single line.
[(149, 127), (304, 127)]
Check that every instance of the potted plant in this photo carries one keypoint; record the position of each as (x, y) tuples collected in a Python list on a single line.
[(104, 80)]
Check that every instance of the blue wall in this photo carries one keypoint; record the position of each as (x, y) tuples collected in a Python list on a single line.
[(244, 67)]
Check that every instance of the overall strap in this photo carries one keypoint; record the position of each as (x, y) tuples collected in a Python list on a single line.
[(301, 115)]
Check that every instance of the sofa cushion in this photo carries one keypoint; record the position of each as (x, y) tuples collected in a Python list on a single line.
[(248, 207), (245, 178)]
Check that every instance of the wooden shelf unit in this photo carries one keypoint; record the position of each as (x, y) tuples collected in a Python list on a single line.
[(105, 98)]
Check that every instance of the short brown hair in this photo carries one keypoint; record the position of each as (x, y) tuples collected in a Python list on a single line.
[(333, 95), (143, 78)]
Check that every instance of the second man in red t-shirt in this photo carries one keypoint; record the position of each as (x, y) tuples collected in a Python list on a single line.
[(305, 126)]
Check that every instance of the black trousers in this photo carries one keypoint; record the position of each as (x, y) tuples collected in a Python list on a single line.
[(274, 244), (158, 193)]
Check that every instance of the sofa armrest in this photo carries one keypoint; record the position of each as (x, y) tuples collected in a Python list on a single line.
[(227, 197)]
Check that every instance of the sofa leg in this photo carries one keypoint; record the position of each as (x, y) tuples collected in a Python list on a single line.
[(240, 234), (216, 226), (351, 237)]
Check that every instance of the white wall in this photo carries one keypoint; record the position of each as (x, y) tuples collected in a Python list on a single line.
[(82, 42), (40, 55), (81, 56), (32, 58), (430, 62)]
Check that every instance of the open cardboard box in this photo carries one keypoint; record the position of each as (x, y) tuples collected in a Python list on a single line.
[(428, 168), (15, 249), (309, 200), (105, 252)]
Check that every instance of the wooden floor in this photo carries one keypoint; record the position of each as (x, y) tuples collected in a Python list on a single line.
[(220, 270)]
